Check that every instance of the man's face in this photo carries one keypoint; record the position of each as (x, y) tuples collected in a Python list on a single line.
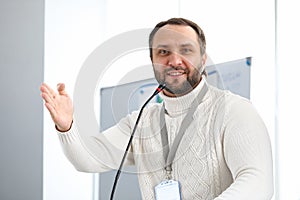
[(177, 60)]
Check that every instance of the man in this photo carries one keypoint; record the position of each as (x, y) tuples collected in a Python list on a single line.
[(224, 150)]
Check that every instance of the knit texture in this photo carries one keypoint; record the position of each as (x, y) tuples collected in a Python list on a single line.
[(225, 153)]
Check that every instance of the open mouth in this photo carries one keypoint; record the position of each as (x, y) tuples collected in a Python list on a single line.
[(176, 73)]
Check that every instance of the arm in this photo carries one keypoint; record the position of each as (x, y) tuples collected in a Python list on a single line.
[(247, 152), (101, 152)]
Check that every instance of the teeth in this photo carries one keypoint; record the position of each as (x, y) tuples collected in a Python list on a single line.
[(175, 73)]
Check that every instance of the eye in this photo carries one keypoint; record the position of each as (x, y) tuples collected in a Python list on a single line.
[(185, 51), (163, 52)]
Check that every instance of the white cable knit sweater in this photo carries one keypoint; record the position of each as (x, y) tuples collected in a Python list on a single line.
[(225, 153)]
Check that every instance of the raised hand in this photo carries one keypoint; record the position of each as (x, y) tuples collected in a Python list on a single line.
[(59, 105)]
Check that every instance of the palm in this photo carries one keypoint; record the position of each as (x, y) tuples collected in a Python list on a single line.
[(59, 105)]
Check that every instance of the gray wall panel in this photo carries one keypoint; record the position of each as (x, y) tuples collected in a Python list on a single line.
[(21, 116)]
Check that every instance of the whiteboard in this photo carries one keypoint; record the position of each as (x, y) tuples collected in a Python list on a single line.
[(233, 76)]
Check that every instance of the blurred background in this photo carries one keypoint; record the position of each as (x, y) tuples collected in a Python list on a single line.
[(49, 40)]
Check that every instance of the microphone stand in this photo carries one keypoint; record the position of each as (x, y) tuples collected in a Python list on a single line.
[(158, 90)]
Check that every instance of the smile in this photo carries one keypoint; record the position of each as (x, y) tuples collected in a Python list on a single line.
[(175, 73)]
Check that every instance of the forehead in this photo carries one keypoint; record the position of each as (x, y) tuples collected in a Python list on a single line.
[(175, 34)]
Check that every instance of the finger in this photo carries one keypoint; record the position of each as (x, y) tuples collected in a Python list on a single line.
[(43, 89), (48, 98), (51, 110), (46, 88), (61, 88)]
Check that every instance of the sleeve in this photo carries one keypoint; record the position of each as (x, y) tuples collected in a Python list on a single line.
[(98, 153), (247, 152)]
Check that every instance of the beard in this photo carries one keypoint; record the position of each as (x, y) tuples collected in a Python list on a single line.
[(178, 87)]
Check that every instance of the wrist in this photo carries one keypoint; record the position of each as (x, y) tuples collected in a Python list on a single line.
[(61, 129)]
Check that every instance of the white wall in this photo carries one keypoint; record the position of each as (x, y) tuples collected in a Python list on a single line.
[(72, 31), (288, 137)]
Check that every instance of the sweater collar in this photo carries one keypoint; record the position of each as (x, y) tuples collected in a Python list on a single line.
[(179, 105)]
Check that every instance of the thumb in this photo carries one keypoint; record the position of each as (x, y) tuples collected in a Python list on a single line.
[(61, 88)]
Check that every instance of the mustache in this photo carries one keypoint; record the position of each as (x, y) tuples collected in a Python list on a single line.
[(185, 70)]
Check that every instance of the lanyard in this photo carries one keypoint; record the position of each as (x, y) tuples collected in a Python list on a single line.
[(169, 154)]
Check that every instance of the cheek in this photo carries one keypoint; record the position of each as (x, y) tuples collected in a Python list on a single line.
[(158, 68), (159, 64), (160, 61), (193, 64)]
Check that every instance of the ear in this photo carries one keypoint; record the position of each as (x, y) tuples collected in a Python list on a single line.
[(204, 58)]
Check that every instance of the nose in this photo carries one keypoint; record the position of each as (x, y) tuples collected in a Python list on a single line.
[(175, 59)]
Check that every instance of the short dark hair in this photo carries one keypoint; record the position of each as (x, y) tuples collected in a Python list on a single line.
[(179, 21)]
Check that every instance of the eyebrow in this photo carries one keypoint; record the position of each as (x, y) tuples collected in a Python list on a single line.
[(187, 45), (181, 45), (161, 46)]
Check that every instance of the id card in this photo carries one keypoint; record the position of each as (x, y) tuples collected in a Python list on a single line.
[(167, 190)]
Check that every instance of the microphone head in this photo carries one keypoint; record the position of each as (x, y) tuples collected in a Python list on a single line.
[(160, 88)]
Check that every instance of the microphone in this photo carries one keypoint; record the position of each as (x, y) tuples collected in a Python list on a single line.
[(158, 90)]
